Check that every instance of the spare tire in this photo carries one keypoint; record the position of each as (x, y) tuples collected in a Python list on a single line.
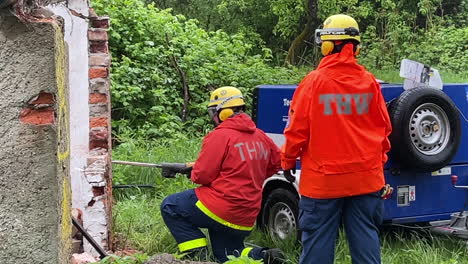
[(426, 129)]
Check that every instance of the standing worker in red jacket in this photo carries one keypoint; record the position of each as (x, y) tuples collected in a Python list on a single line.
[(235, 159), (338, 127)]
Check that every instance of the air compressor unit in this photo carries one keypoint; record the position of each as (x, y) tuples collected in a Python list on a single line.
[(429, 152)]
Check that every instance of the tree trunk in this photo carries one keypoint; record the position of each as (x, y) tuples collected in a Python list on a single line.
[(299, 43), (183, 81)]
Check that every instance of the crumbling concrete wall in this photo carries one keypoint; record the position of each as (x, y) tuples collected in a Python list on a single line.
[(86, 34), (35, 197)]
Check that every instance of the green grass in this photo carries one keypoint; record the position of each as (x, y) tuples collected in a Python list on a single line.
[(138, 223), (151, 152)]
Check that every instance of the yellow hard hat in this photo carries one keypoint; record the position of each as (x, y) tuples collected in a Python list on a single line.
[(338, 27), (226, 97), (222, 100)]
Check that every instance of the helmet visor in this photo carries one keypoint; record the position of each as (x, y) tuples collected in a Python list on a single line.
[(212, 112), (352, 32)]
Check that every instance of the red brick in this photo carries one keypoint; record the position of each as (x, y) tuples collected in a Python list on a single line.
[(98, 122), (97, 35), (99, 60), (42, 98), (98, 144), (44, 116), (98, 72), (98, 47), (96, 98), (100, 22), (98, 134)]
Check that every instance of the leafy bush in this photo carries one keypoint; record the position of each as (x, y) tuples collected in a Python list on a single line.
[(164, 67), (441, 47)]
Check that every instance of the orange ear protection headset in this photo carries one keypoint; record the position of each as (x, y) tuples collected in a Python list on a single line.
[(328, 46)]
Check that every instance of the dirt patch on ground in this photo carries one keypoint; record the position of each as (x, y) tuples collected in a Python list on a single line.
[(169, 259)]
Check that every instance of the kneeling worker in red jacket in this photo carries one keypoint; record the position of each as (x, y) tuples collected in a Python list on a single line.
[(235, 159)]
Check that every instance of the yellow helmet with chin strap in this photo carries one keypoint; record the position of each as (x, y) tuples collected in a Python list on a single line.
[(223, 100), (335, 28)]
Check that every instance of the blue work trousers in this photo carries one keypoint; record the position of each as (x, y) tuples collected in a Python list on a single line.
[(184, 219), (320, 219)]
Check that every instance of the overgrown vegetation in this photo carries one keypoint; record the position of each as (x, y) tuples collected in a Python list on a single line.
[(164, 66), (394, 29), (165, 63)]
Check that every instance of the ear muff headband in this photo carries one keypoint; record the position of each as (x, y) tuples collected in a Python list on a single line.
[(327, 46)]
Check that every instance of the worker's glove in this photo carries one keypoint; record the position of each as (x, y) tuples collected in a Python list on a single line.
[(169, 170), (386, 192), (289, 174)]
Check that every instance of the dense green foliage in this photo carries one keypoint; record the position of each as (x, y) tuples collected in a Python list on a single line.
[(138, 223), (393, 29), (165, 65)]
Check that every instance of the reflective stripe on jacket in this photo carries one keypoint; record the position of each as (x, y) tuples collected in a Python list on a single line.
[(235, 159), (338, 126)]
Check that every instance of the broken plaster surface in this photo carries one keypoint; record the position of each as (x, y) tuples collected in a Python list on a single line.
[(29, 191), (95, 214), (84, 176), (76, 36)]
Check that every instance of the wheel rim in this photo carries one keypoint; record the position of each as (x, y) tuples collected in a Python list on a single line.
[(282, 222), (429, 129)]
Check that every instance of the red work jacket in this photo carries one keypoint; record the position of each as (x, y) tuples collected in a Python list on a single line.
[(338, 126), (235, 159)]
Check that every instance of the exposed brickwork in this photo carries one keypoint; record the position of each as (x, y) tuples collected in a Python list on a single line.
[(98, 144), (98, 122), (42, 98), (95, 98), (99, 47), (97, 34), (42, 116), (98, 72), (99, 60), (98, 110), (99, 85), (99, 137), (100, 22), (98, 172)]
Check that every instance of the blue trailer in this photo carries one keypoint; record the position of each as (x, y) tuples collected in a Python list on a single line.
[(429, 148)]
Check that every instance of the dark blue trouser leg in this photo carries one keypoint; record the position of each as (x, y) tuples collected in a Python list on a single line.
[(319, 220), (362, 216), (226, 243), (184, 220), (178, 212)]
